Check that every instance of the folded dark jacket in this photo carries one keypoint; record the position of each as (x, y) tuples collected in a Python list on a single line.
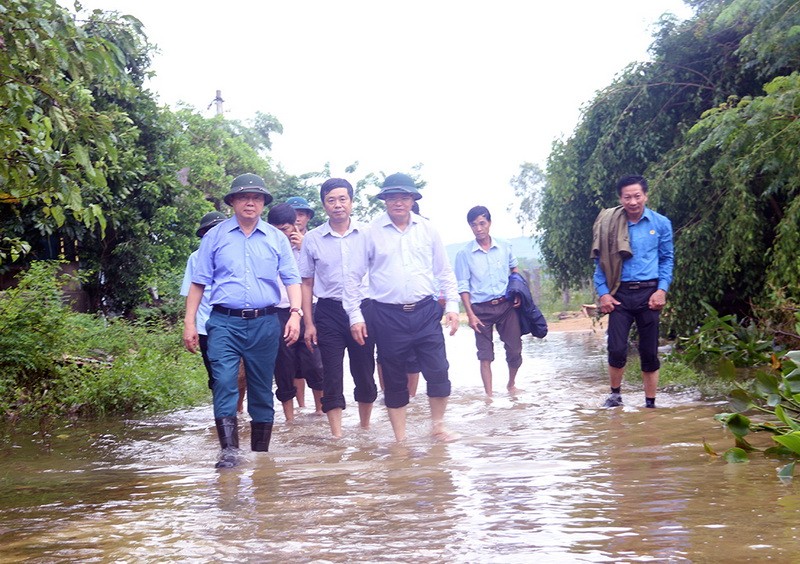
[(531, 319)]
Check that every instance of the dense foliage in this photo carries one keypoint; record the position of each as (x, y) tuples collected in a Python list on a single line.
[(55, 362), (712, 122)]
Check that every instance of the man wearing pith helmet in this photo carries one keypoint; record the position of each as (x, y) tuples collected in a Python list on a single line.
[(407, 266), (242, 259)]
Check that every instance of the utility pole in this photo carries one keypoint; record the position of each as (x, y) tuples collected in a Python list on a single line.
[(217, 102)]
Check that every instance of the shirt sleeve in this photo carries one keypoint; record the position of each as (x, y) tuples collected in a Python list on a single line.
[(352, 288), (666, 255), (513, 262), (287, 264), (187, 274), (599, 278), (444, 273), (305, 264), (462, 271)]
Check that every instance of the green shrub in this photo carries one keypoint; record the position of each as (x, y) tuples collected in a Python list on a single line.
[(725, 337), (55, 362)]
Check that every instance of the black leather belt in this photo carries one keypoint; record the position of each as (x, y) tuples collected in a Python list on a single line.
[(249, 313), (637, 285), (408, 307), (496, 301)]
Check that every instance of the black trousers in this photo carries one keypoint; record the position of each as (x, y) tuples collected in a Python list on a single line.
[(633, 308), (334, 337), (399, 334)]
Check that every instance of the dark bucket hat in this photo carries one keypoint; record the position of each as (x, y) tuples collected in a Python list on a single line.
[(248, 184)]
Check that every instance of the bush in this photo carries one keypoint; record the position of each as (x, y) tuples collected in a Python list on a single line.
[(56, 362)]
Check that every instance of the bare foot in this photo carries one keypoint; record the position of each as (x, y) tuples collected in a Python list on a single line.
[(443, 434), (512, 389)]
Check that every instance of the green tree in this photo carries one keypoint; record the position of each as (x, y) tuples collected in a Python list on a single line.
[(718, 153), (56, 144), (527, 187)]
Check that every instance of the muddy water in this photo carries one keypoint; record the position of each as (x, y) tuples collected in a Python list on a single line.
[(546, 475)]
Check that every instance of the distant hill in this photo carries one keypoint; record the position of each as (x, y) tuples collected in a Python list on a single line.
[(522, 247)]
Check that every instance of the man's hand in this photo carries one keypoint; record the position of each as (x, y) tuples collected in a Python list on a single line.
[(296, 239), (608, 303), (517, 301), (311, 335), (292, 330), (657, 300), (359, 332), (452, 321), (474, 322), (190, 338)]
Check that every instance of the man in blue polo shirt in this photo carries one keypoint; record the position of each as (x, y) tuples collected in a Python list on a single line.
[(634, 291), (482, 268), (242, 259)]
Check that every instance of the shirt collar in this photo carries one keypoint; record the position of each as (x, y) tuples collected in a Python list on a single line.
[(326, 229), (476, 247)]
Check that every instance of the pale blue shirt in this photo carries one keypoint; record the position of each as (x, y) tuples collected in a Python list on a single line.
[(404, 266), (284, 303), (326, 256), (243, 271), (484, 274), (204, 309), (653, 253)]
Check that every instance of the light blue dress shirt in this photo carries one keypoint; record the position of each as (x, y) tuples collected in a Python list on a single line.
[(204, 309), (243, 271), (484, 274), (653, 253)]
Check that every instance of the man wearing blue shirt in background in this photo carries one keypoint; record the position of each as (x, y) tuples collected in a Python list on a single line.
[(636, 289), (482, 268), (242, 259)]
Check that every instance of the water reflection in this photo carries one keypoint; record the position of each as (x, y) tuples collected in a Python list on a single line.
[(546, 474)]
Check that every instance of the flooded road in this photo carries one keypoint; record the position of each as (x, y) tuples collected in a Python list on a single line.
[(546, 475)]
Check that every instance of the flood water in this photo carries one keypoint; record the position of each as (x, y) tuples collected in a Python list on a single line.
[(545, 475)]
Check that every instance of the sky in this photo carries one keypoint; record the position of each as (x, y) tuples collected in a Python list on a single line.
[(470, 89)]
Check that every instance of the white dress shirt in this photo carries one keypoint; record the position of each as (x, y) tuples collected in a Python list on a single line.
[(403, 266)]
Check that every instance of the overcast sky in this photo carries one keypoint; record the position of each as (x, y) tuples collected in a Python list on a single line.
[(470, 89)]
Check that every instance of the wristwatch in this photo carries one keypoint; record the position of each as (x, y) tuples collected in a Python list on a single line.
[(296, 310)]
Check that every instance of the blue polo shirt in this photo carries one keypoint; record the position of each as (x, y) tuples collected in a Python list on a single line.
[(484, 274), (243, 270), (653, 254)]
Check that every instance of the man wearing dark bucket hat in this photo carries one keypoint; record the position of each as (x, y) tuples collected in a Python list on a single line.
[(407, 266), (242, 259)]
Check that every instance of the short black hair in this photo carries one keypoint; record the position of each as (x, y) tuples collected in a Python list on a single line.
[(333, 184), (629, 180), (281, 214), (476, 212)]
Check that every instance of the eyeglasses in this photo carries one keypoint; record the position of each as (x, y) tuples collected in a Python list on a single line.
[(398, 197), (249, 197)]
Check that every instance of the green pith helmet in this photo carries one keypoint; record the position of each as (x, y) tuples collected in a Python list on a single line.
[(248, 184), (299, 203), (399, 183), (210, 220)]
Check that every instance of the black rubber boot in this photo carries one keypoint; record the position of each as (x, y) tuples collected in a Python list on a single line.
[(228, 433), (260, 434)]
